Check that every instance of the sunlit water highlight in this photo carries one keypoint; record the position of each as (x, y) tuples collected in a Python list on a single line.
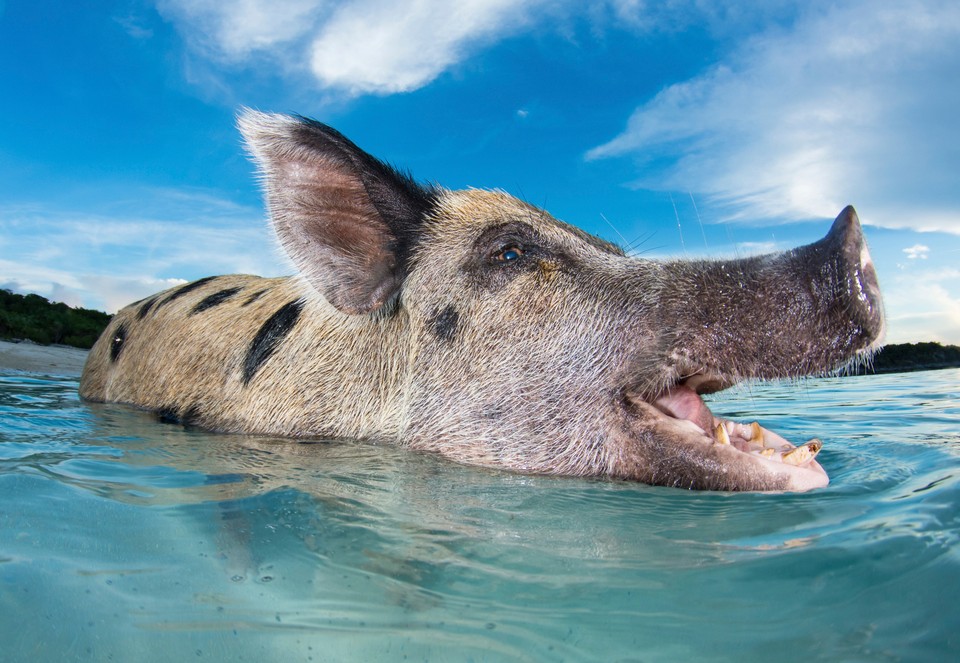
[(129, 540)]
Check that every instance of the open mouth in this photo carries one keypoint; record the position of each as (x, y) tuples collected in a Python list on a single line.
[(683, 402), (743, 444)]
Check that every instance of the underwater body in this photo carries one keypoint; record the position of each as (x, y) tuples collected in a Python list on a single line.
[(128, 539)]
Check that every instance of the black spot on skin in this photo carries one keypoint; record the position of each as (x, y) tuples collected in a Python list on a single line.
[(215, 299), (116, 345), (444, 323), (273, 331), (191, 416), (173, 415), (168, 415), (190, 287), (492, 412), (254, 297), (147, 305)]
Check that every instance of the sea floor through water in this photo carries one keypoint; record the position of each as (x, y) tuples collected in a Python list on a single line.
[(125, 539)]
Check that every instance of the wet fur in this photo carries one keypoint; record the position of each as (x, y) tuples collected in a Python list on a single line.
[(405, 325)]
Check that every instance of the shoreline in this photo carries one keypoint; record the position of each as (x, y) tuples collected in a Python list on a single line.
[(30, 357)]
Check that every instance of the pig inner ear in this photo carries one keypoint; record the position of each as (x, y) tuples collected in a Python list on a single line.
[(347, 220)]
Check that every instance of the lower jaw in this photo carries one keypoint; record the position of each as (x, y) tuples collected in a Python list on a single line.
[(755, 439), (684, 403), (759, 456)]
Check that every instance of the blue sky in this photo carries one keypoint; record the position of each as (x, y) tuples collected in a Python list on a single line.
[(690, 128)]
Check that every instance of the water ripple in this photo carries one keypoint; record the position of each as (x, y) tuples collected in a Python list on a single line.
[(145, 541)]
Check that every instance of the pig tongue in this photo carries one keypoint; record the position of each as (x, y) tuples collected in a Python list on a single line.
[(682, 402)]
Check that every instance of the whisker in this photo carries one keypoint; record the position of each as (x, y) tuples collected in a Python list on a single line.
[(619, 234), (699, 220), (679, 228)]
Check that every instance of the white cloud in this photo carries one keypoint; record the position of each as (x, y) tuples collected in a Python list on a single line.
[(358, 47), (916, 251), (106, 262), (856, 102), (116, 292), (923, 306), (133, 27), (236, 30), (382, 46), (757, 248), (101, 292)]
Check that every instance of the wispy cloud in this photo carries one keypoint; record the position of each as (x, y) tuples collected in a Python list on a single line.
[(853, 103), (358, 47), (133, 27), (96, 291), (383, 46), (923, 305), (814, 105), (916, 251), (106, 261), (234, 31)]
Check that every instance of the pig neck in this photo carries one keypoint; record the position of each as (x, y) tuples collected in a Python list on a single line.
[(354, 373)]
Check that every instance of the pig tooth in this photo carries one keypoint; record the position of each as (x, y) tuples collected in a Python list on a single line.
[(768, 452), (804, 453), (722, 436), (756, 434)]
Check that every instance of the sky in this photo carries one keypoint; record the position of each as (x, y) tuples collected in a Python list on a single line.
[(679, 128)]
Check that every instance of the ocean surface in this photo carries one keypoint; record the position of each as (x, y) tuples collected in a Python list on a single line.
[(124, 539)]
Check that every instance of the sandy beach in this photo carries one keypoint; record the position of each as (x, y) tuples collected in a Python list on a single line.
[(45, 359)]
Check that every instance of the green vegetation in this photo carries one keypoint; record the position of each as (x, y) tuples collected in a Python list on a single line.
[(37, 319), (904, 357)]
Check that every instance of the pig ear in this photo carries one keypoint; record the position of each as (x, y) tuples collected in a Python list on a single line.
[(347, 220)]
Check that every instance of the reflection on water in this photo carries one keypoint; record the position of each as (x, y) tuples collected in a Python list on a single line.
[(125, 539)]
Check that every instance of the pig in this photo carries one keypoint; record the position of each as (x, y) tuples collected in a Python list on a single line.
[(476, 326)]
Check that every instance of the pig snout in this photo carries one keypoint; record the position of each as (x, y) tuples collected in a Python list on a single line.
[(844, 279), (809, 311)]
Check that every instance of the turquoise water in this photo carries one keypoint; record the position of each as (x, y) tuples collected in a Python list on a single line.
[(125, 539)]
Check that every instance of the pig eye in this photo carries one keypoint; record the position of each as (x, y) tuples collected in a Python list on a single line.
[(508, 254)]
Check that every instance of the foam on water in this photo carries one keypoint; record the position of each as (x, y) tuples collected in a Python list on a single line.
[(125, 539)]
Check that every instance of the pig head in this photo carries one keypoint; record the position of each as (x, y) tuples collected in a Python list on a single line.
[(471, 324)]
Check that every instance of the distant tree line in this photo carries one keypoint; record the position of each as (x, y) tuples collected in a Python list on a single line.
[(37, 319), (904, 357)]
